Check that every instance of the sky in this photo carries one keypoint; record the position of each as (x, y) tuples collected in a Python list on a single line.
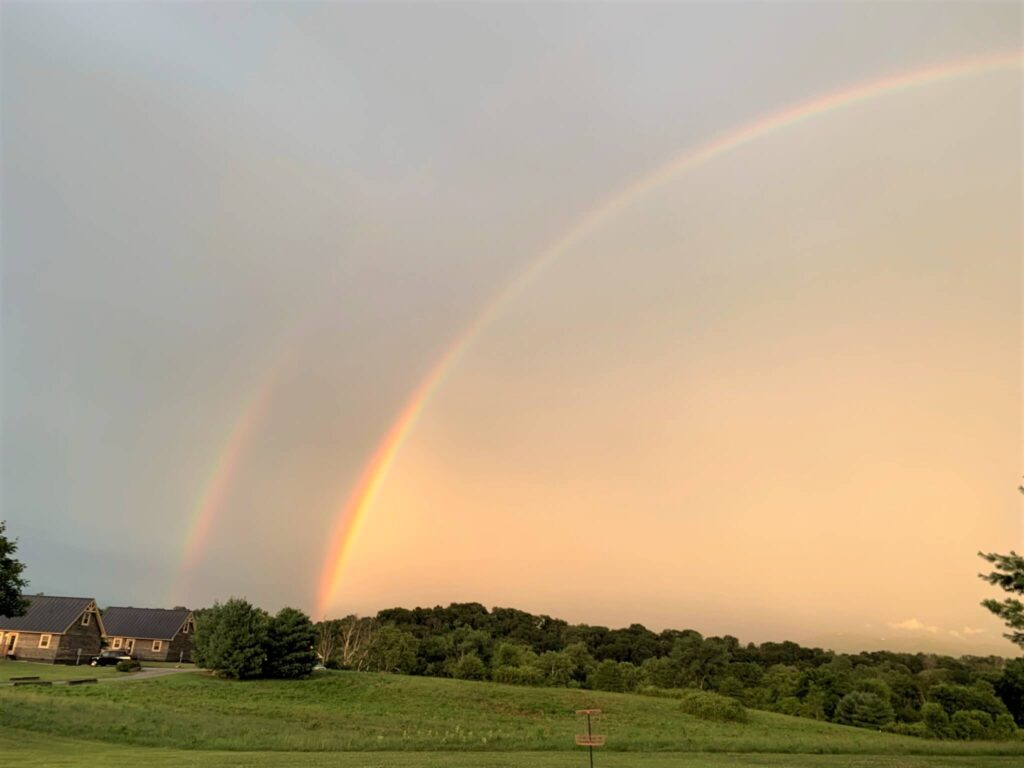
[(349, 306)]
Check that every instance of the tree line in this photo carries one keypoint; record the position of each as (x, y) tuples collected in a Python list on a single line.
[(918, 694)]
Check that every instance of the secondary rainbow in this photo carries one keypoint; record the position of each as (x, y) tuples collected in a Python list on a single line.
[(218, 484), (353, 511)]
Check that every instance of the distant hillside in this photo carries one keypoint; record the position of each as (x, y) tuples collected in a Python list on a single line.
[(348, 711)]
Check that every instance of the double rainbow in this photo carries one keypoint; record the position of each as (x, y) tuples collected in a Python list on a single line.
[(354, 509)]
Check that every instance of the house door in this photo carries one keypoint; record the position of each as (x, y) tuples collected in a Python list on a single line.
[(12, 640), (129, 645)]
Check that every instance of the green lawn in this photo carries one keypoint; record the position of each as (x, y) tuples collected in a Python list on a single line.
[(29, 750), (352, 719), (9, 669)]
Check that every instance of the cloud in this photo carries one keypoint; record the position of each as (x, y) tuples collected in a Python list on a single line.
[(972, 631), (913, 625)]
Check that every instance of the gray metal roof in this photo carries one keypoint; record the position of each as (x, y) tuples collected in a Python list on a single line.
[(47, 613), (149, 623)]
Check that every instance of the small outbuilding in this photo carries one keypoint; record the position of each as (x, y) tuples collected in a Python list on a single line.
[(59, 630), (150, 634)]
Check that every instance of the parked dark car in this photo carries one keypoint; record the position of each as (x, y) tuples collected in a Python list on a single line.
[(109, 658)]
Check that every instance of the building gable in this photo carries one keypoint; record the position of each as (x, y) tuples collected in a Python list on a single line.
[(52, 615)]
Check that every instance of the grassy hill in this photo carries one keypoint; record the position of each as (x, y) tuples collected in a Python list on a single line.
[(422, 722)]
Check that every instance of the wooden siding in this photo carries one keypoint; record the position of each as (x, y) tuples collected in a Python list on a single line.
[(178, 648), (64, 648), (88, 640)]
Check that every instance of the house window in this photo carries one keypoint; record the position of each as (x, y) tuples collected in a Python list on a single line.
[(157, 645), (44, 641), (118, 641), (85, 619), (185, 630)]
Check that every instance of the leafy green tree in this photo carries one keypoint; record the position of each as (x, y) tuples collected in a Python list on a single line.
[(865, 710), (1003, 728), (955, 698), (782, 681), (970, 724), (392, 650), (607, 677), (555, 668), (469, 667), (630, 676), (935, 719), (511, 655), (582, 662), (12, 584), (289, 645), (230, 639), (661, 672)]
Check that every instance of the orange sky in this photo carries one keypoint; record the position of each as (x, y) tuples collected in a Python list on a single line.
[(784, 390)]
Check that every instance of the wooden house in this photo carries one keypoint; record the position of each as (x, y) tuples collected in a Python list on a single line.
[(59, 630), (150, 634)]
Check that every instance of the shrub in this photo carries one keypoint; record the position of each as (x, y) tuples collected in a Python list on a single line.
[(527, 675), (935, 720), (970, 724), (711, 706), (864, 710), (908, 729), (607, 677), (469, 667), (128, 666), (1004, 728)]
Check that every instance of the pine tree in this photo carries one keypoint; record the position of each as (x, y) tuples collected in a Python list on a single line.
[(290, 645), (1008, 576), (230, 639)]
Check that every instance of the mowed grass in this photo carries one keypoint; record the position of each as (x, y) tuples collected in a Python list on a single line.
[(357, 712), (52, 672), (31, 750)]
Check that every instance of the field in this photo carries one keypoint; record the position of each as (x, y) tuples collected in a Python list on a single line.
[(367, 720)]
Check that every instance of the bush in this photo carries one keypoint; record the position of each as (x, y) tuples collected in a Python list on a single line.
[(1004, 728), (469, 667), (527, 675), (935, 720), (128, 666), (864, 710), (711, 706), (908, 729), (607, 677), (970, 724)]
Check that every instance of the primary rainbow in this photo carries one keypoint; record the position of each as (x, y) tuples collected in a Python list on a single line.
[(353, 511)]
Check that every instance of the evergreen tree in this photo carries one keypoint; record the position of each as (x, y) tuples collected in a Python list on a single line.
[(11, 582), (289, 645), (230, 639), (1008, 576)]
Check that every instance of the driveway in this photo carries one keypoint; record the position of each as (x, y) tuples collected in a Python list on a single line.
[(146, 673)]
